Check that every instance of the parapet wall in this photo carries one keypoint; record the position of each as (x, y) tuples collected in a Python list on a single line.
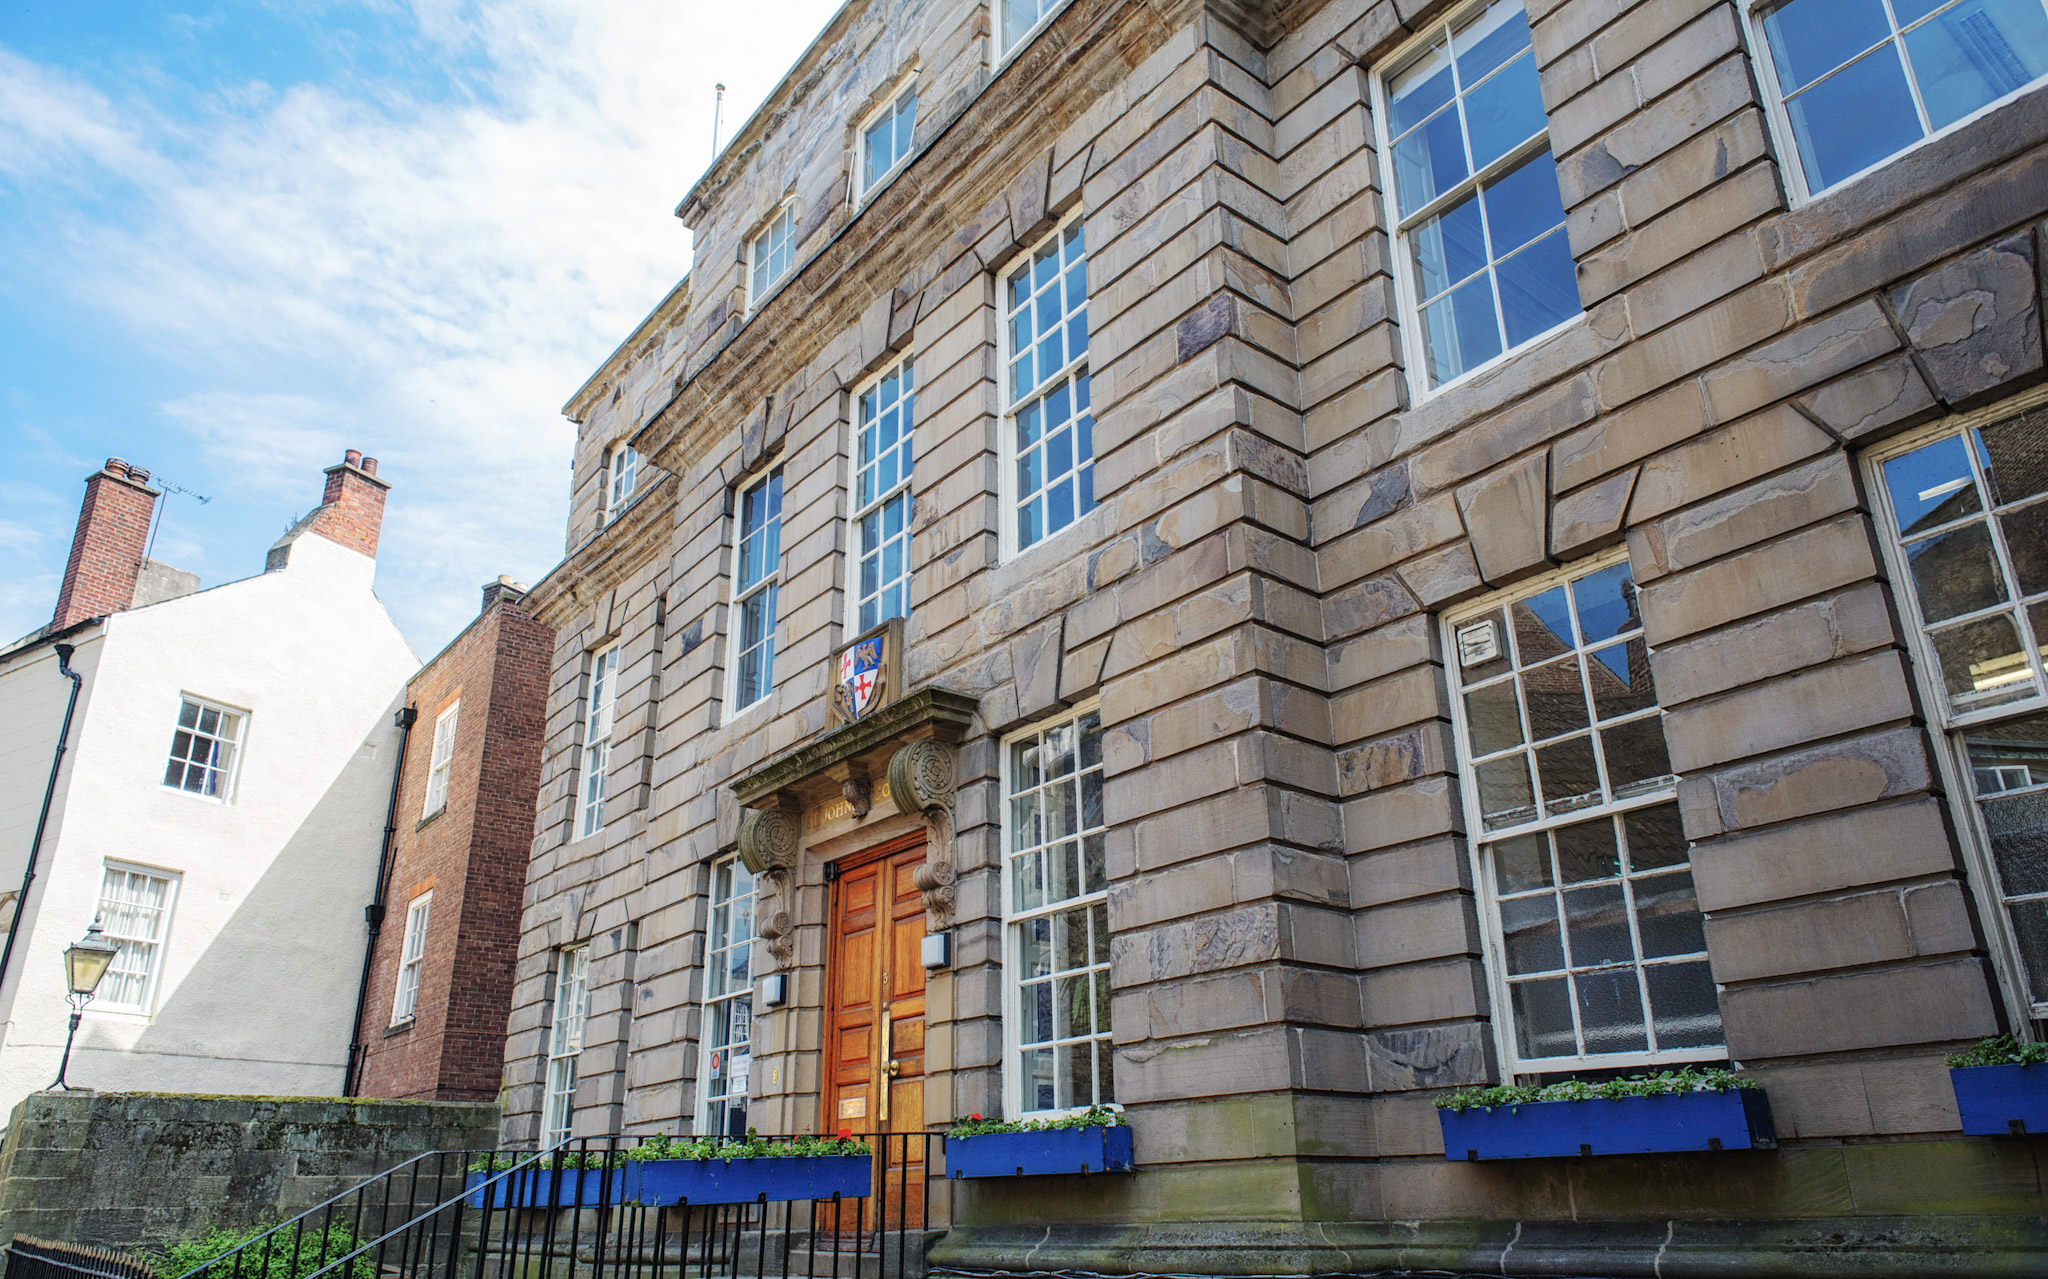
[(133, 1169)]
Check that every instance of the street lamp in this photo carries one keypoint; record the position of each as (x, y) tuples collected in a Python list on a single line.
[(85, 963)]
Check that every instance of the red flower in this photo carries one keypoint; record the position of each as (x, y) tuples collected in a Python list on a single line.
[(846, 1134), (974, 1116)]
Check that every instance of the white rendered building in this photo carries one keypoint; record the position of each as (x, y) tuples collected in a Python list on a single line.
[(220, 807)]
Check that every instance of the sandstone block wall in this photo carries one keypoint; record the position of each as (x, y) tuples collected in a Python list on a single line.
[(1256, 601)]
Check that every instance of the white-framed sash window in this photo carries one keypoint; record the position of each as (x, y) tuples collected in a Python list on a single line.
[(1482, 264), (757, 573), (135, 914), (597, 738), (885, 137), (880, 533), (1019, 21), (442, 760), (768, 255), (622, 472), (1596, 944), (1057, 1050), (206, 748), (724, 1048), (1964, 507), (565, 1043), (405, 1001), (1854, 83), (1048, 426)]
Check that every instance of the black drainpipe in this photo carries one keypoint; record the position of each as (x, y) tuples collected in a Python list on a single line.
[(35, 848), (373, 914)]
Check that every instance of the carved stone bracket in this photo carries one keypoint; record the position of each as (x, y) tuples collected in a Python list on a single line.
[(921, 781), (768, 847)]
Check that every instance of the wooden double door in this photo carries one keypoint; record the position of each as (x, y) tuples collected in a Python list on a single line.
[(874, 1022)]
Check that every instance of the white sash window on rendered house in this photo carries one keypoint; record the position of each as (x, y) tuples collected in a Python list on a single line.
[(205, 750), (1596, 947), (135, 914)]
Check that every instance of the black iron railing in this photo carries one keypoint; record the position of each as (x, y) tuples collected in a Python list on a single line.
[(572, 1213)]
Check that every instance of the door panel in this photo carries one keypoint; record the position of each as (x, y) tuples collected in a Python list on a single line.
[(876, 1018)]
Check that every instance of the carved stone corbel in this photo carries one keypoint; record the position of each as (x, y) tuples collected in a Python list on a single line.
[(768, 847), (921, 781)]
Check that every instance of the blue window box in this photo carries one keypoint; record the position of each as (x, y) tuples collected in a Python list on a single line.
[(1996, 1100), (1040, 1154), (743, 1181), (538, 1188), (1736, 1120)]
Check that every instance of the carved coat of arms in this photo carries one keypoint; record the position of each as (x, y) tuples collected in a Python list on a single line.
[(864, 674)]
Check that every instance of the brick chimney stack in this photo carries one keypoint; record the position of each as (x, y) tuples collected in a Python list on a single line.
[(352, 509), (503, 591), (107, 549)]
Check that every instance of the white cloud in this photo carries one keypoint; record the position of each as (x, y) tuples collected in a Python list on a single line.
[(344, 265)]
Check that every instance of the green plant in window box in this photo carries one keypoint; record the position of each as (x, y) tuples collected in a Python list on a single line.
[(1660, 1083), (1999, 1050), (1096, 1116), (568, 1160), (752, 1146)]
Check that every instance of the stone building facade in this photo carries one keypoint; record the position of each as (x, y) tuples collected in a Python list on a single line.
[(1410, 524), (438, 984)]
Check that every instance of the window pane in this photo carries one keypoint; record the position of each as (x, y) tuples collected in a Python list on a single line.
[(1636, 756), (1587, 851), (1932, 486), (1529, 926), (1557, 698), (1499, 32), (1668, 915), (1521, 863), (1543, 626), (1682, 1001), (1449, 247), (2026, 541), (1955, 573), (1419, 89), (1620, 675), (1430, 161), (1543, 1018), (1854, 118), (1611, 1011), (1976, 53), (1655, 837), (1493, 718), (1460, 330), (1597, 919), (1539, 288), (1523, 205), (1505, 797), (1570, 778), (1810, 38), (1504, 111), (1982, 663)]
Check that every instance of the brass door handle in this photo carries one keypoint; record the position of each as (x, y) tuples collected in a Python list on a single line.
[(895, 1068), (888, 1048)]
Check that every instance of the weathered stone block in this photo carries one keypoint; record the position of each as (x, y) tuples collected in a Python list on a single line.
[(1438, 1057), (1840, 774), (1976, 321), (1818, 703), (1505, 519), (1923, 1004), (1590, 518), (1870, 403), (1744, 517), (1864, 846), (1722, 459), (1442, 576)]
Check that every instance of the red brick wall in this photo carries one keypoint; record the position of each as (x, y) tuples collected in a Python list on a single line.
[(107, 549), (472, 855)]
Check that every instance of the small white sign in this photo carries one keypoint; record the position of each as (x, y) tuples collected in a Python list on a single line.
[(1478, 643), (740, 1064)]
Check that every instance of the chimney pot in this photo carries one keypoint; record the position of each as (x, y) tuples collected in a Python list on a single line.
[(369, 466), (117, 466), (351, 508), (353, 457), (140, 474)]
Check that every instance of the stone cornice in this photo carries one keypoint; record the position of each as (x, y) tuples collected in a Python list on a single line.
[(607, 557), (927, 713), (673, 306)]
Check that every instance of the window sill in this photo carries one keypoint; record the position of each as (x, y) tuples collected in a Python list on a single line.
[(400, 1027), (429, 819)]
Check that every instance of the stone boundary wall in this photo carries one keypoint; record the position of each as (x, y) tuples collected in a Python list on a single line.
[(146, 1169)]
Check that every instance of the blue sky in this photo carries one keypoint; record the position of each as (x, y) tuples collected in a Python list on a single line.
[(239, 237)]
